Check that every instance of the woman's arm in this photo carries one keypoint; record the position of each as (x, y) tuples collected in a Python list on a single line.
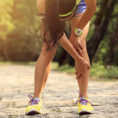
[(91, 8), (66, 44)]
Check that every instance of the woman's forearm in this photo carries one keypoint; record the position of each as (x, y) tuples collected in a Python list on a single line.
[(65, 43)]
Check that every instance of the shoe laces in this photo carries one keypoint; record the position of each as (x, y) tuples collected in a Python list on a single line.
[(84, 101), (33, 101)]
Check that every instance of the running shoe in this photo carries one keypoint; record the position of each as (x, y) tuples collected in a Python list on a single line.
[(33, 106), (84, 106), (75, 101)]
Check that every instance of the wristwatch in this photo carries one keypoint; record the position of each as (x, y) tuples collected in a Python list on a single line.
[(78, 32)]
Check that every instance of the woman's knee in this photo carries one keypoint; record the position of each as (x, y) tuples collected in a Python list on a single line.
[(46, 52)]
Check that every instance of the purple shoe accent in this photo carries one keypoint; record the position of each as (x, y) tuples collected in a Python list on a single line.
[(84, 101), (31, 97), (76, 102), (33, 101)]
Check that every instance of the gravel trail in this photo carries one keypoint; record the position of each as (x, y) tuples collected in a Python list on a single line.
[(17, 81)]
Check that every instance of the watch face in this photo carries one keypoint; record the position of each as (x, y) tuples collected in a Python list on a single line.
[(78, 32)]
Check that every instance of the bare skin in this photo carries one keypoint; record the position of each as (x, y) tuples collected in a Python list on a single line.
[(77, 43), (82, 82), (45, 59), (42, 69)]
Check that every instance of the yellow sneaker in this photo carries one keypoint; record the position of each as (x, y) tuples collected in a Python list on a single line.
[(34, 106), (84, 106)]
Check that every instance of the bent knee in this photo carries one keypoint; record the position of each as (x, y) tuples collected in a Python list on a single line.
[(46, 52)]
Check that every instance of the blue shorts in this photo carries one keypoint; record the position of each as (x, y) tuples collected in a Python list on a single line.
[(81, 8)]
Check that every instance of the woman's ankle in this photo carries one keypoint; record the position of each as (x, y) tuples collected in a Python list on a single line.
[(37, 95), (83, 95)]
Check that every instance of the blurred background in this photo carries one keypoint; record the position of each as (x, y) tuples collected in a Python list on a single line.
[(20, 40), (20, 47)]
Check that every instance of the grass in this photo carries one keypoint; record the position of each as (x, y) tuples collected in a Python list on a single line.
[(17, 63), (65, 68), (98, 72), (101, 71)]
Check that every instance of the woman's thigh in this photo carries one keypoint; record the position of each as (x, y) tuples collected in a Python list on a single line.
[(47, 53)]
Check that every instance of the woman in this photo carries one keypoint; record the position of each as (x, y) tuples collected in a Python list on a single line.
[(53, 13)]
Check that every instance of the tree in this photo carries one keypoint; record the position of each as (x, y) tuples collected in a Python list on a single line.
[(102, 21), (19, 30), (113, 50), (6, 25), (25, 38)]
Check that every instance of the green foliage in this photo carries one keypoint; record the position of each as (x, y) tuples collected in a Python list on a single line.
[(97, 70), (20, 25), (6, 25), (101, 71), (20, 38), (29, 63), (65, 68)]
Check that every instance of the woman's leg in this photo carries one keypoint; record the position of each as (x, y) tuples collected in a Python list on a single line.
[(42, 69), (83, 83)]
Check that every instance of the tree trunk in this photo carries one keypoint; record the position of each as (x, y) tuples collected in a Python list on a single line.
[(113, 45), (101, 24), (6, 56)]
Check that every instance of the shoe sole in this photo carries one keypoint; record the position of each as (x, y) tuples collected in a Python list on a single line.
[(85, 112), (33, 112)]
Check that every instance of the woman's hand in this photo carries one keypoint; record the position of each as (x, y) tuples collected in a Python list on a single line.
[(68, 46), (77, 44), (82, 65)]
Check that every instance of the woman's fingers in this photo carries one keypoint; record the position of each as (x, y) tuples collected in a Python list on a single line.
[(88, 65), (76, 72), (79, 50), (80, 45), (83, 75), (80, 74)]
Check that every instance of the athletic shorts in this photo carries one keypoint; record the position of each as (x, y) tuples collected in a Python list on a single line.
[(79, 12), (81, 8)]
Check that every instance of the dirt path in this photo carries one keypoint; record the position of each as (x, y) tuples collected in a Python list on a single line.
[(16, 82)]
